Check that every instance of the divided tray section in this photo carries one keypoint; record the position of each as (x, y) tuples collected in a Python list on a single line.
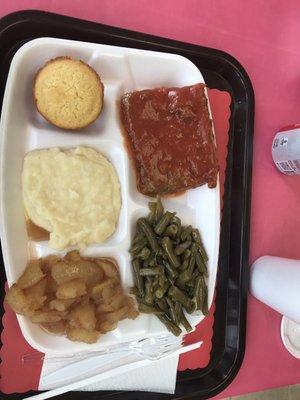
[(23, 129)]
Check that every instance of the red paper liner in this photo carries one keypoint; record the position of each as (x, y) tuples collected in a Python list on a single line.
[(16, 376)]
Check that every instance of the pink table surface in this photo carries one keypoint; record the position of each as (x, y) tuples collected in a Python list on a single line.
[(264, 37)]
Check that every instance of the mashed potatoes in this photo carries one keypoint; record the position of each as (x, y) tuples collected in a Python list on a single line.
[(73, 194)]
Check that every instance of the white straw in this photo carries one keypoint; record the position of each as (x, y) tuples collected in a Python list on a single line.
[(110, 374)]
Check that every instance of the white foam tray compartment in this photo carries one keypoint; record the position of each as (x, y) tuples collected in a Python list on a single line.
[(23, 129)]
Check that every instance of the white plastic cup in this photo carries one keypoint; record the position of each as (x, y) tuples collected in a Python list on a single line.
[(286, 151), (276, 282)]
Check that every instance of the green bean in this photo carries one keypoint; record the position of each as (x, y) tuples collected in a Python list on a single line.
[(148, 232), (185, 264), (152, 205), (199, 293), (160, 252), (159, 209), (163, 223), (196, 235), (175, 242), (151, 217), (161, 290), (182, 247), (184, 277), (194, 248), (191, 307), (203, 253), (147, 309), (197, 239), (177, 221), (170, 270), (196, 273), (200, 264), (138, 245), (150, 271), (190, 287), (178, 295), (186, 232), (162, 279), (171, 281), (185, 322), (190, 291), (144, 253), (162, 304), (167, 246), (150, 262), (171, 230), (148, 292), (136, 266), (186, 274), (172, 312), (137, 238), (180, 285), (173, 328), (155, 282), (165, 257), (178, 309), (186, 254), (205, 302), (192, 263)]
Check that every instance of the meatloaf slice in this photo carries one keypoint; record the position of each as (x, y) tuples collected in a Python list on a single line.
[(170, 137)]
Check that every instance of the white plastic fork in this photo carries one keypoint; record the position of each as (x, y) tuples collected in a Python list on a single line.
[(151, 348)]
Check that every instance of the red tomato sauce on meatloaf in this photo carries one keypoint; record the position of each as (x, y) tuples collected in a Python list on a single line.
[(171, 139)]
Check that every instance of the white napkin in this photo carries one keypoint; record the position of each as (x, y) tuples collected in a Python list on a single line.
[(163, 376)]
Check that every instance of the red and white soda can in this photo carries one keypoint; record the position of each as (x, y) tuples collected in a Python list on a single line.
[(286, 150)]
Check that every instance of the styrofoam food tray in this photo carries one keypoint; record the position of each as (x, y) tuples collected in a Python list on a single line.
[(23, 129)]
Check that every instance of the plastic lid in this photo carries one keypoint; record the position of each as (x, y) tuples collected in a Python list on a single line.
[(290, 335)]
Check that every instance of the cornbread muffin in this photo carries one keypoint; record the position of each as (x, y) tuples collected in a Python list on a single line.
[(73, 194), (68, 93)]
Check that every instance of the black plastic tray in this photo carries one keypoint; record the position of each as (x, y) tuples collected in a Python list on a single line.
[(220, 71)]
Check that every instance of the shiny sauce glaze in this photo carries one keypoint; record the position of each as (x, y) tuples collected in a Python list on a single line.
[(171, 139), (35, 232)]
